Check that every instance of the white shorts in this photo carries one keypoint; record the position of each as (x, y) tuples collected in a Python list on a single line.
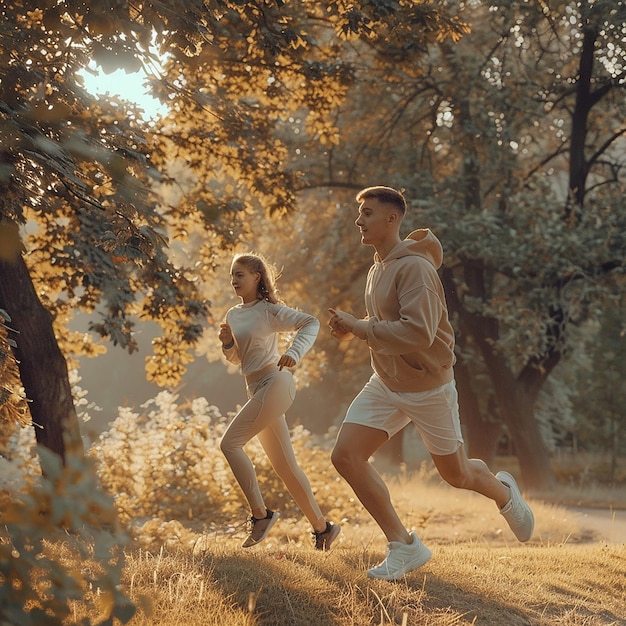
[(435, 413)]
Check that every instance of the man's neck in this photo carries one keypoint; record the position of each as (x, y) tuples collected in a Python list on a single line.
[(383, 249)]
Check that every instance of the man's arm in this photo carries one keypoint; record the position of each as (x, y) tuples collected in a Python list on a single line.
[(340, 329), (419, 316)]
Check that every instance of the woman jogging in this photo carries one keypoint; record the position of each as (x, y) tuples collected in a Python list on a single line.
[(249, 337)]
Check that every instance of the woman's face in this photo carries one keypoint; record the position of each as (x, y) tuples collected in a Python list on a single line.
[(244, 282)]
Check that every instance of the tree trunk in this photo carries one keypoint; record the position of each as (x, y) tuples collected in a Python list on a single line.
[(42, 367), (481, 435), (515, 396), (534, 459), (516, 401), (578, 164)]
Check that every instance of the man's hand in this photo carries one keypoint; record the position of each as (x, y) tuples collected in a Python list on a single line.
[(340, 324)]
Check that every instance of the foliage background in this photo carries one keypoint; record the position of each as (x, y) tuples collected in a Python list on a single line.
[(503, 123)]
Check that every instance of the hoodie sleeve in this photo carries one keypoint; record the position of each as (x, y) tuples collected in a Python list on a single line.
[(419, 314), (286, 319)]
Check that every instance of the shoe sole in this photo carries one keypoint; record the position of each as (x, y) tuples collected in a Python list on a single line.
[(511, 483), (407, 567), (273, 520)]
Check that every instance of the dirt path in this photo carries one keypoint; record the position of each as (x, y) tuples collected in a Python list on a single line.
[(608, 524)]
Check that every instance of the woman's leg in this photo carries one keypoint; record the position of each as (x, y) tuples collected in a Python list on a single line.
[(269, 402), (238, 433), (276, 442)]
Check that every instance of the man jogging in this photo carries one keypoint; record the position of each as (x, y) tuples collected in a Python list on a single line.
[(411, 343)]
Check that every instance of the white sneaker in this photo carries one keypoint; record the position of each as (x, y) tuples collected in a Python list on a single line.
[(516, 512), (401, 559)]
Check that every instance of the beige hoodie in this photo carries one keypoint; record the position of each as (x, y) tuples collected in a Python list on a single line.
[(407, 329)]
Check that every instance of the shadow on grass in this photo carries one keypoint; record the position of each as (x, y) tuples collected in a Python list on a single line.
[(428, 598), (272, 587), (283, 588)]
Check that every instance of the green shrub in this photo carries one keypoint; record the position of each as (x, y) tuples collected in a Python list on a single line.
[(59, 546)]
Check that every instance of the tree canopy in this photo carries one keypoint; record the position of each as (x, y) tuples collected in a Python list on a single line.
[(503, 134), (483, 134), (80, 174)]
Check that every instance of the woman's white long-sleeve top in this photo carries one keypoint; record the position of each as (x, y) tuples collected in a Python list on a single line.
[(255, 327)]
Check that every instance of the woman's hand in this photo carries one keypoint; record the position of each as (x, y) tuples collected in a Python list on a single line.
[(226, 335), (286, 361)]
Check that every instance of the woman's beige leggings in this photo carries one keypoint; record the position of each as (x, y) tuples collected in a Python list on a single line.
[(270, 395)]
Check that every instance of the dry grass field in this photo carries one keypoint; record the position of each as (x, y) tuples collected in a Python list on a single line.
[(571, 573), (479, 574)]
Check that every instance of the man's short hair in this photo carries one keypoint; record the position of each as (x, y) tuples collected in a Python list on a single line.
[(384, 194)]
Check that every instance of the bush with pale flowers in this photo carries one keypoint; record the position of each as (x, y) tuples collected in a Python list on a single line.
[(164, 467)]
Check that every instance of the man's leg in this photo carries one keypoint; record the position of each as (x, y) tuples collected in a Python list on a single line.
[(459, 471), (353, 449), (473, 474)]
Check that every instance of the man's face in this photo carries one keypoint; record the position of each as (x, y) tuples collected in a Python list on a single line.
[(374, 221)]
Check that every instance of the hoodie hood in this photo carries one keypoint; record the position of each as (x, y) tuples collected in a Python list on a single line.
[(421, 242)]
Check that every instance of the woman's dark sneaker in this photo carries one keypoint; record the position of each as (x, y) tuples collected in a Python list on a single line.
[(324, 539), (259, 528)]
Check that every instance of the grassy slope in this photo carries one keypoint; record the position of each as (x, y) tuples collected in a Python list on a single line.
[(478, 574), (463, 584)]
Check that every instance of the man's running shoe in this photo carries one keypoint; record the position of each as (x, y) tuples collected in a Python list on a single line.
[(516, 512), (401, 559)]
